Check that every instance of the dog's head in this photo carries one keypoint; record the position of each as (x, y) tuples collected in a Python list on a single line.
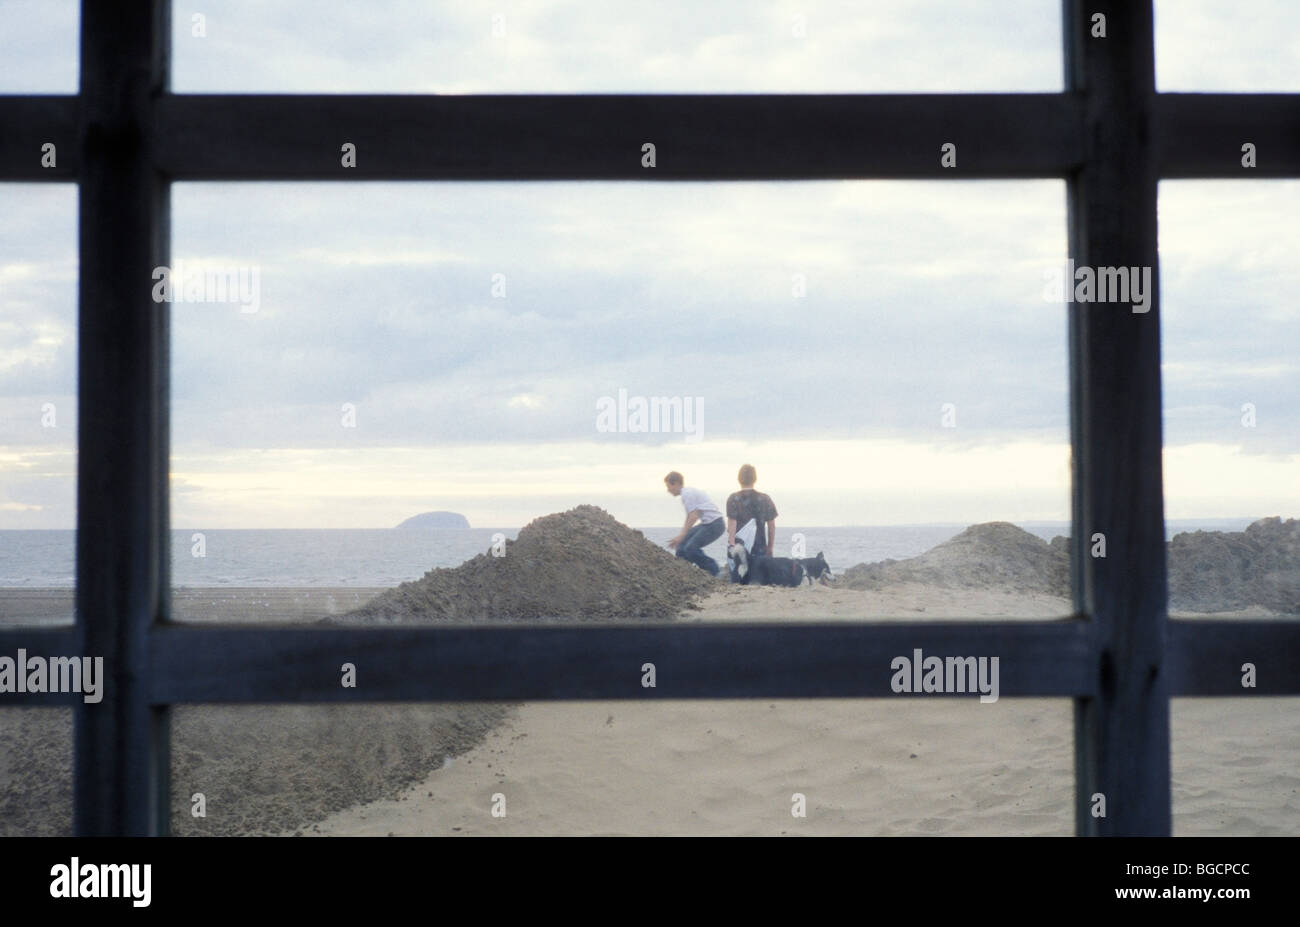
[(740, 556), (818, 568)]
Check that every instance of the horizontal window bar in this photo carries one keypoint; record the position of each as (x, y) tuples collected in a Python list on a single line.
[(1202, 134), (696, 137), (229, 664), (242, 664), (602, 137), (27, 125), (1233, 657), (38, 642)]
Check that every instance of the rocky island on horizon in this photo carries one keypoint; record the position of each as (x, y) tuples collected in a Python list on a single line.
[(429, 520)]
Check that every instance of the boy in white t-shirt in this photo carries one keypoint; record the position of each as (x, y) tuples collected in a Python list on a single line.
[(692, 540)]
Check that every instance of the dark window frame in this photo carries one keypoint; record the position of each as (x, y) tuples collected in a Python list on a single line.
[(124, 138)]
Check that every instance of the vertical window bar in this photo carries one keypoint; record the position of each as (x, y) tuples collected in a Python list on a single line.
[(1121, 736), (122, 559)]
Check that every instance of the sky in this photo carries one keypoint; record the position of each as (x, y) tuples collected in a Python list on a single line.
[(882, 352)]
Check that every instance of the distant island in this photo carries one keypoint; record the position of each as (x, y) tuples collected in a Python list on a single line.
[(434, 520)]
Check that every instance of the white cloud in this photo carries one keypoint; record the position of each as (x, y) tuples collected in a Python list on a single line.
[(918, 293)]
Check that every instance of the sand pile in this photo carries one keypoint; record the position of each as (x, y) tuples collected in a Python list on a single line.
[(579, 565), (1209, 571), (1214, 571), (35, 772), (996, 554), (272, 768), (262, 769), (266, 769)]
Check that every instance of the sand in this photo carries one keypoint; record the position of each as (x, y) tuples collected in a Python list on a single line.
[(699, 767), (882, 766), (866, 768), (874, 767), (44, 606), (1227, 570), (991, 554), (261, 769), (577, 566), (1209, 571)]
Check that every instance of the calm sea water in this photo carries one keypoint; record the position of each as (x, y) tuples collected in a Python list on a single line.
[(385, 557)]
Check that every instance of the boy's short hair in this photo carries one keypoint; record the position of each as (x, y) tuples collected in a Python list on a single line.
[(747, 475), (674, 477)]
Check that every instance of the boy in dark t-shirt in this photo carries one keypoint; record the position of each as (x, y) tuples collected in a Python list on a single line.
[(747, 505)]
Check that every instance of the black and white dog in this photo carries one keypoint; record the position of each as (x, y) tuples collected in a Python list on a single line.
[(817, 568), (764, 571)]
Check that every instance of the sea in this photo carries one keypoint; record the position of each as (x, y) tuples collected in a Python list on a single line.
[(387, 557)]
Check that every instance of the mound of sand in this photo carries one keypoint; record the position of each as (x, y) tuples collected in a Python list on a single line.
[(265, 769), (579, 565), (272, 768), (995, 554), (275, 768), (1215, 571), (262, 769), (1209, 571)]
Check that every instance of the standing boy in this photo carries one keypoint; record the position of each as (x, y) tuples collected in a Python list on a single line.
[(750, 504)]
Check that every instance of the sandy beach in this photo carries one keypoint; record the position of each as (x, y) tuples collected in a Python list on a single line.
[(868, 768), (865, 767), (45, 606), (731, 767), (905, 766), (260, 768)]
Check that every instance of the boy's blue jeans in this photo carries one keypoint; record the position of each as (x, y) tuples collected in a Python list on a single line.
[(692, 546)]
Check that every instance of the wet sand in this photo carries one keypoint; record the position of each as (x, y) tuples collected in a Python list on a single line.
[(52, 606)]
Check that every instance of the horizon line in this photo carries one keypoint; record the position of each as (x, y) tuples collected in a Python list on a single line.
[(917, 524)]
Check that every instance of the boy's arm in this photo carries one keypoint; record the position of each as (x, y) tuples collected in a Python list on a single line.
[(731, 531), (691, 518)]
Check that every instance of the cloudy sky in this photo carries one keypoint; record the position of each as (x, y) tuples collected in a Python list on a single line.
[(423, 346)]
